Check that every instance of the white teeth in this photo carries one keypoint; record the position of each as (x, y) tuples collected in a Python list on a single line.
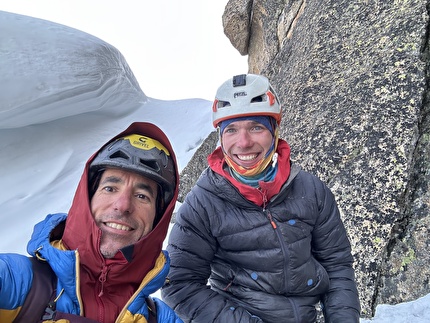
[(247, 157), (118, 226)]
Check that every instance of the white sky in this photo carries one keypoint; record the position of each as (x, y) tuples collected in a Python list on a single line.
[(176, 49)]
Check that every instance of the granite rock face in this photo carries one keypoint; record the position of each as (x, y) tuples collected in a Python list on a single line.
[(353, 80)]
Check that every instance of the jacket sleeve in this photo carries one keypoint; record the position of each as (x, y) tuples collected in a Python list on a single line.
[(192, 249), (164, 313), (15, 282), (331, 247)]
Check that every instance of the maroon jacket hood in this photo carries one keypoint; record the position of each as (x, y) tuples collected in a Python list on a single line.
[(82, 234)]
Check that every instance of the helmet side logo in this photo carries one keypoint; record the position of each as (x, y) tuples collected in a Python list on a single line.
[(239, 94)]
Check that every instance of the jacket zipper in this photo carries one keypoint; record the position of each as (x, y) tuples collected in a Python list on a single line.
[(283, 248)]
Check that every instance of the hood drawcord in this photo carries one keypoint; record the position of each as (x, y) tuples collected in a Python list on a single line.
[(102, 279)]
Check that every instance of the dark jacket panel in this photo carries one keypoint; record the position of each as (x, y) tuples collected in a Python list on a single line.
[(234, 261)]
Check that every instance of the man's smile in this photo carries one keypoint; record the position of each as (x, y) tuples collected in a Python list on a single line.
[(118, 226), (247, 157)]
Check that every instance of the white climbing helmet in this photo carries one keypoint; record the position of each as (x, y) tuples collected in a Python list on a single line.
[(245, 95)]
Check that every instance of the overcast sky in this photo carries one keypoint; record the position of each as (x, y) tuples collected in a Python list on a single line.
[(176, 49)]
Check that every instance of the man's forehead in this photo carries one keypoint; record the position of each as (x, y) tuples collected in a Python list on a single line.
[(113, 172)]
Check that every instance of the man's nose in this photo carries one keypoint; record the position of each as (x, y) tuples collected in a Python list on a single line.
[(244, 139), (123, 203)]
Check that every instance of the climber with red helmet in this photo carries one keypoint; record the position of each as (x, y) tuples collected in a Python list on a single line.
[(102, 260), (257, 239)]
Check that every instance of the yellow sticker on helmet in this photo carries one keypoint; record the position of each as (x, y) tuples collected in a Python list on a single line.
[(145, 143)]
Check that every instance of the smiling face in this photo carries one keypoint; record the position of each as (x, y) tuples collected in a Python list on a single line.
[(124, 208), (246, 142)]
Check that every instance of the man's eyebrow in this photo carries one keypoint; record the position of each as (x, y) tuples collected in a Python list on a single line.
[(111, 179), (231, 125), (255, 122)]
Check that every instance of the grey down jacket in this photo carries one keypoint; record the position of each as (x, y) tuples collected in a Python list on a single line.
[(233, 261)]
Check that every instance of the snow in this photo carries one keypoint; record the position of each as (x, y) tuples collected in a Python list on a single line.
[(65, 93), (417, 311)]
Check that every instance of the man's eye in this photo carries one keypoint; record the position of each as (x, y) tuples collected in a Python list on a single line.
[(108, 189), (142, 196), (258, 128)]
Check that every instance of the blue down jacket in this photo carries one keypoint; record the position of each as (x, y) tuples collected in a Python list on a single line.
[(271, 264), (16, 278)]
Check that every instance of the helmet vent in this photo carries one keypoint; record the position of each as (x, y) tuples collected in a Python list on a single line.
[(260, 98), (223, 104), (153, 165), (119, 154), (239, 80)]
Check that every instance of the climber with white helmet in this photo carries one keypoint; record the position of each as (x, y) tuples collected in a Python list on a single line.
[(257, 239)]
